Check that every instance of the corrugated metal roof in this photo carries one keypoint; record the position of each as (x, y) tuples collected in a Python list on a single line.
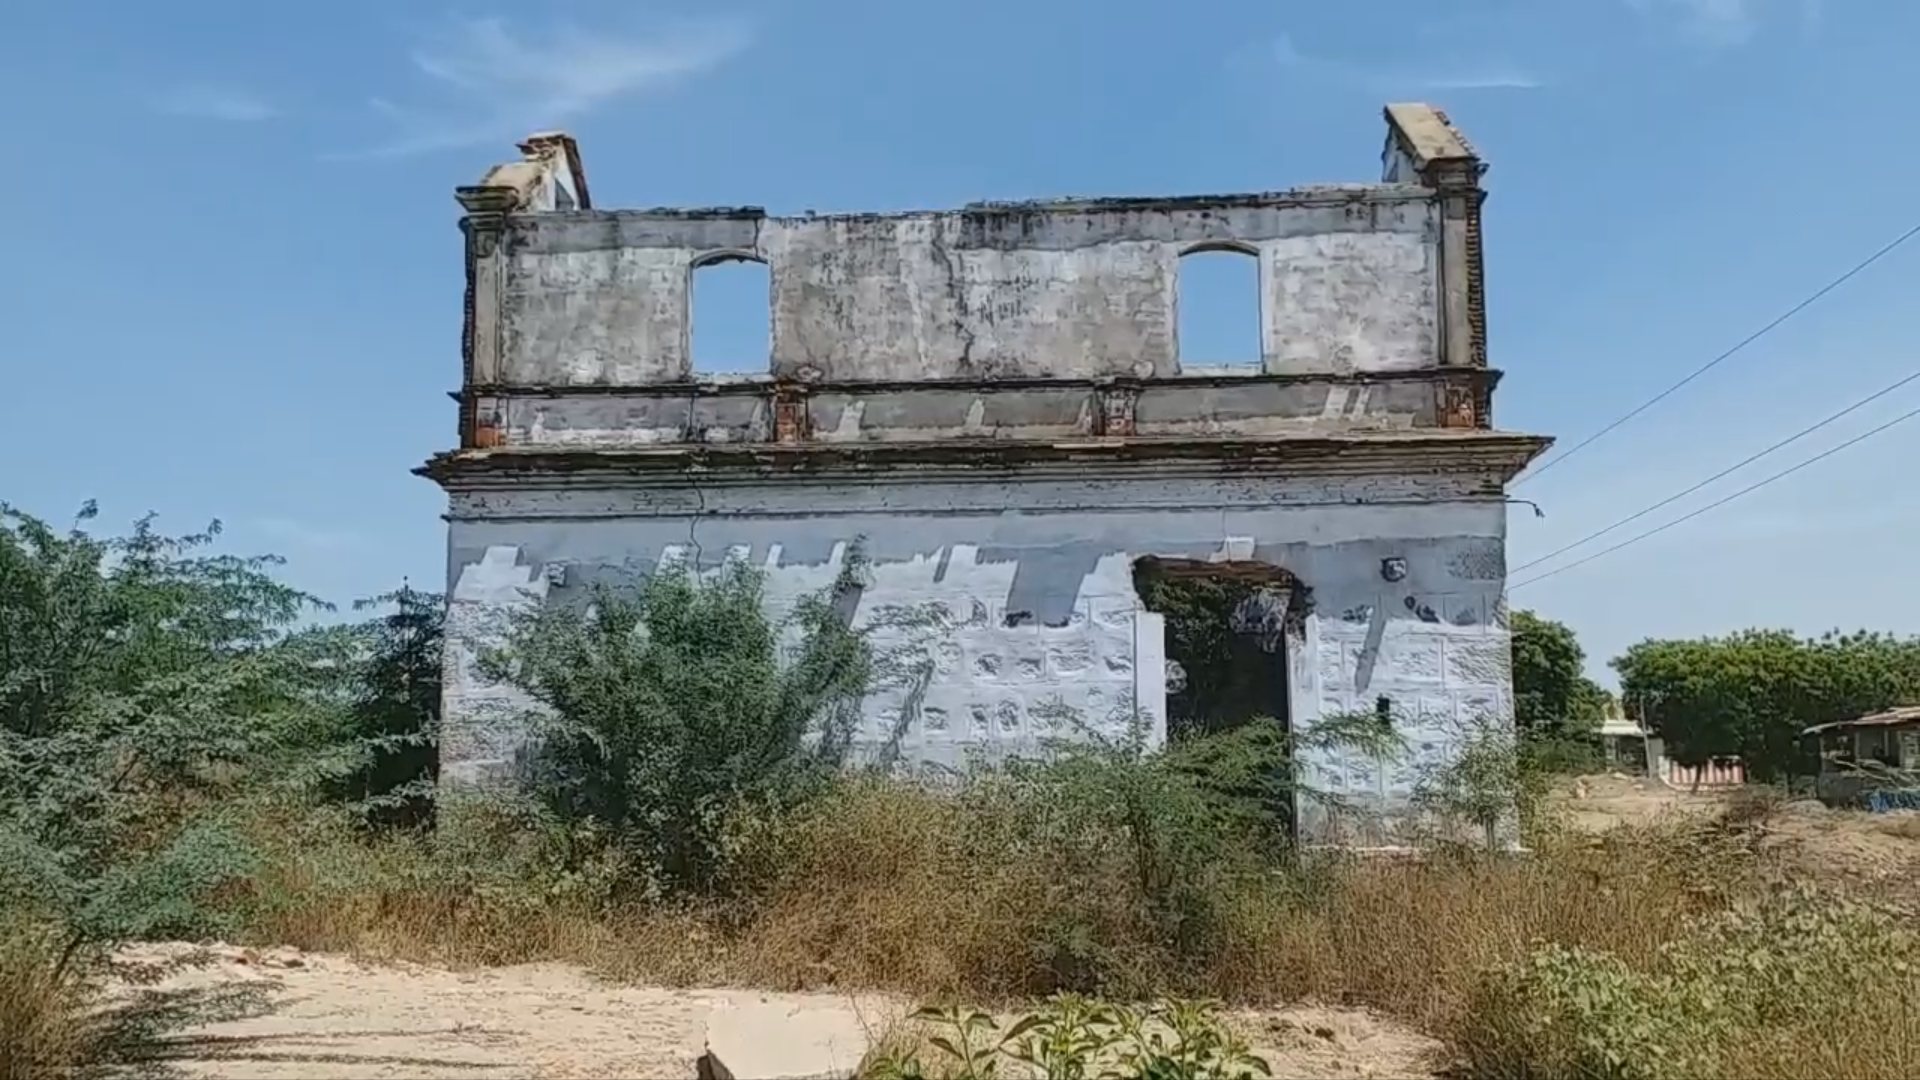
[(1901, 714)]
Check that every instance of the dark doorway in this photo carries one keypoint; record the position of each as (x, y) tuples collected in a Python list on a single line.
[(1227, 633), (1227, 626)]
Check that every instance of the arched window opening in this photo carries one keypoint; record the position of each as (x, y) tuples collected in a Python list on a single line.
[(1219, 309), (731, 316)]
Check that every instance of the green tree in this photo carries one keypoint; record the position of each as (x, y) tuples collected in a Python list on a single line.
[(1552, 696), (393, 714), (144, 681), (1751, 693), (670, 709)]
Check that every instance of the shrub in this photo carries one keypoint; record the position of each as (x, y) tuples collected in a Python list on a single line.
[(149, 691), (144, 686), (1100, 869), (670, 711), (1073, 1038), (1488, 784), (1757, 991)]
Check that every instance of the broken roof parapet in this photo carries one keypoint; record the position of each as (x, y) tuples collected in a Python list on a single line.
[(1436, 150), (1025, 320), (548, 177)]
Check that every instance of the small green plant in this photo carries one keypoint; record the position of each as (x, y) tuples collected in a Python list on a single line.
[(1076, 1038), (1486, 785)]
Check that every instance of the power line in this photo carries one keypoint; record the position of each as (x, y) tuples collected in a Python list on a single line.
[(1722, 474), (1781, 475), (1716, 361)]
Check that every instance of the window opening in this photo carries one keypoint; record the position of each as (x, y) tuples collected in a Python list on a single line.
[(1219, 315), (731, 317)]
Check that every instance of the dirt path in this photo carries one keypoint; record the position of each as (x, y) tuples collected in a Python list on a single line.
[(1598, 803), (303, 1016), (1849, 846), (310, 1016)]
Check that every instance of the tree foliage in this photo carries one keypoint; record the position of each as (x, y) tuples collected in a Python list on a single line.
[(668, 709), (393, 712), (143, 680), (1750, 694), (1217, 662), (1552, 696)]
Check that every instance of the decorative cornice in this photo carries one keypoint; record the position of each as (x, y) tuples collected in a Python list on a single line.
[(1497, 455), (488, 199)]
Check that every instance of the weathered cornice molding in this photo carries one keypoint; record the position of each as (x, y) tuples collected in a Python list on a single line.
[(1496, 456)]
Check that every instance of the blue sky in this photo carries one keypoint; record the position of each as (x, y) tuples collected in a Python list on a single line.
[(234, 280)]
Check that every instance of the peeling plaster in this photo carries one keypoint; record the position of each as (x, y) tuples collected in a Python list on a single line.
[(1042, 611)]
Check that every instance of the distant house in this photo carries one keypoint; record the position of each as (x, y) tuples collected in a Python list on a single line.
[(1871, 760), (1632, 748), (1623, 741)]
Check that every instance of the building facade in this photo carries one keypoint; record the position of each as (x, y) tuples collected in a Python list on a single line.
[(991, 403)]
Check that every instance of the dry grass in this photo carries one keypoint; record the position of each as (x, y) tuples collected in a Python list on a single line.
[(44, 1011), (946, 898), (1413, 937)]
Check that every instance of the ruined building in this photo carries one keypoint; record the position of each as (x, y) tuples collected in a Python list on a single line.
[(993, 398)]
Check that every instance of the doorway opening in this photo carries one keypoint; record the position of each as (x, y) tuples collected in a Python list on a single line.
[(1227, 630)]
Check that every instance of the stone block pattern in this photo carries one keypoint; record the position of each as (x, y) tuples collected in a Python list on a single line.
[(978, 681), (970, 678), (1442, 662), (484, 722)]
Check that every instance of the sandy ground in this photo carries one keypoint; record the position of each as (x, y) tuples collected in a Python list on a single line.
[(1881, 849), (306, 1016), (1598, 803)]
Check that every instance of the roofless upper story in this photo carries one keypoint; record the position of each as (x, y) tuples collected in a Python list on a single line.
[(1012, 323)]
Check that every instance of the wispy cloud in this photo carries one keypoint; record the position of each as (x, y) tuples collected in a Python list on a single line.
[(492, 82), (1726, 23), (1390, 80), (226, 103)]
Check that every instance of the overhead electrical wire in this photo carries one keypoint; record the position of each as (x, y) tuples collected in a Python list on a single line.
[(1722, 474), (1749, 489), (1716, 361)]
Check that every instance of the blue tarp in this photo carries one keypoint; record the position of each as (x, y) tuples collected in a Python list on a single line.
[(1880, 802)]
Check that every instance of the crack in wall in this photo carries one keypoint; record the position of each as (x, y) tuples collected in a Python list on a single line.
[(956, 290)]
